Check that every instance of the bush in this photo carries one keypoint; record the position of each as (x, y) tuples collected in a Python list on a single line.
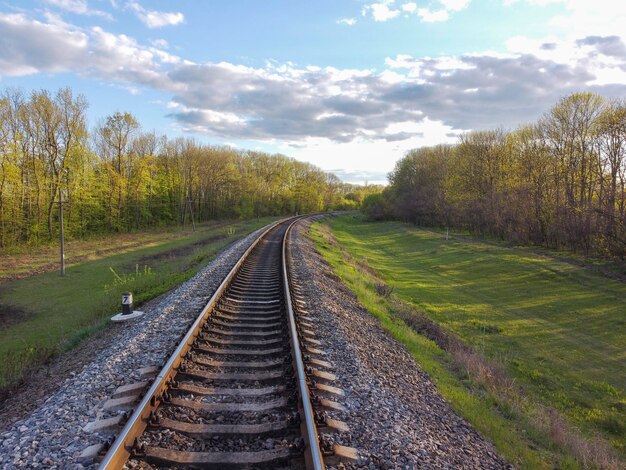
[(375, 207)]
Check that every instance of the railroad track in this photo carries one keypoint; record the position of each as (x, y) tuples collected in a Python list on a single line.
[(236, 392)]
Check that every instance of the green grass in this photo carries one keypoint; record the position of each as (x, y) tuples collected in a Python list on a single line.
[(558, 330), (23, 260), (55, 313)]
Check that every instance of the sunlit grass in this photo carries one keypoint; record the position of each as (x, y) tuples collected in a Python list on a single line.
[(20, 260), (480, 412), (558, 329)]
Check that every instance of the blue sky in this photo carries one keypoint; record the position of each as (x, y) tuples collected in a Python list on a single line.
[(347, 85)]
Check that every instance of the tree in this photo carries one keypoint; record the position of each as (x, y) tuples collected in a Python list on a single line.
[(416, 186), (113, 141), (568, 130), (611, 140), (478, 178), (560, 182), (118, 179)]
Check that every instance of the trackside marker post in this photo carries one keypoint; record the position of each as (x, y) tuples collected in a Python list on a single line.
[(127, 309), (127, 303)]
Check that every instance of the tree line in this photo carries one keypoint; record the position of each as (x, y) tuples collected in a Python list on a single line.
[(559, 182), (116, 177)]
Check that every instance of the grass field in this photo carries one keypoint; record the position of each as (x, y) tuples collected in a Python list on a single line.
[(43, 314), (23, 261), (559, 330)]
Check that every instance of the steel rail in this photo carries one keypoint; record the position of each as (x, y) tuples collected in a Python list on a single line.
[(122, 448), (313, 454), (119, 452)]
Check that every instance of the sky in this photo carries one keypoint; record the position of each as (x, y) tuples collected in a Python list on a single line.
[(348, 85)]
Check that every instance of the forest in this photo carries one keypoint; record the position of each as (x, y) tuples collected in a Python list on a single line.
[(559, 182), (115, 177)]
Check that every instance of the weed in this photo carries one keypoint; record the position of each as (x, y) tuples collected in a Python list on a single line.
[(384, 290), (364, 265), (126, 280), (18, 362), (592, 452)]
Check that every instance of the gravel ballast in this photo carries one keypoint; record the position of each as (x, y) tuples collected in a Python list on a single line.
[(397, 418), (52, 436)]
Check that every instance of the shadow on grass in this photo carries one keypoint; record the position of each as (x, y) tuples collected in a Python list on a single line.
[(545, 426)]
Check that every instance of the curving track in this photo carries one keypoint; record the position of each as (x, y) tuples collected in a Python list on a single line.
[(234, 393)]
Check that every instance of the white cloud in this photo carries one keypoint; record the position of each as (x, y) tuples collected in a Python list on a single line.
[(160, 43), (429, 16), (532, 2), (382, 11), (609, 76), (584, 17), (31, 46), (155, 19), (347, 21), (370, 158), (454, 5), (74, 6), (586, 34), (389, 9), (78, 7)]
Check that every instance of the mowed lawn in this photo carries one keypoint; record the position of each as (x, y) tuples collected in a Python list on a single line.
[(44, 314), (559, 329)]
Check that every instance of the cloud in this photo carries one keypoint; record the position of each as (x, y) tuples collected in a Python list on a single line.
[(347, 21), (284, 102), (386, 10), (383, 11), (29, 46), (474, 91), (429, 16), (580, 18), (369, 158), (412, 101), (360, 176), (454, 5), (78, 7), (160, 43), (487, 90), (610, 46), (155, 19), (532, 2)]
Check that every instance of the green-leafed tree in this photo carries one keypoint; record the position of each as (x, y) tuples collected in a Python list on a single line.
[(559, 182), (119, 179)]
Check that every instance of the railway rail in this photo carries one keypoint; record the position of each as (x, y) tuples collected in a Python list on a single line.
[(246, 387)]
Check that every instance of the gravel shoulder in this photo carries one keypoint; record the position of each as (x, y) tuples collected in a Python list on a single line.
[(52, 435), (397, 417)]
